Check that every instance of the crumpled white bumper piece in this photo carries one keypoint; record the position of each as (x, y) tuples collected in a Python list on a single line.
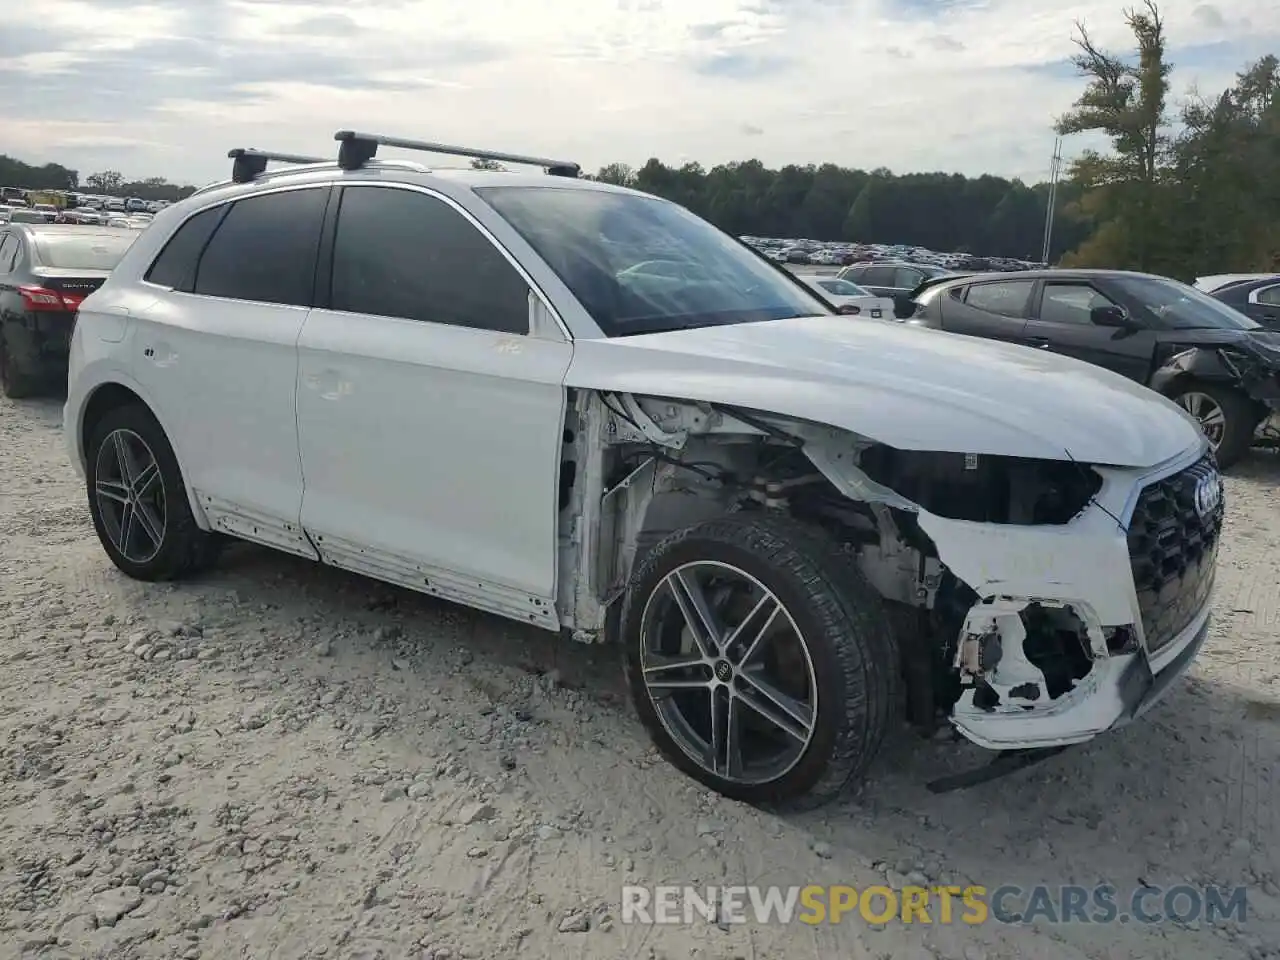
[(1084, 564), (1118, 690)]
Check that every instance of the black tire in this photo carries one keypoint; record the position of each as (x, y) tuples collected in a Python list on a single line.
[(184, 548), (1240, 413), (19, 371), (847, 633)]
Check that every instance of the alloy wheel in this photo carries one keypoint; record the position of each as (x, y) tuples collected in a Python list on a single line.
[(728, 672), (130, 494), (1213, 421)]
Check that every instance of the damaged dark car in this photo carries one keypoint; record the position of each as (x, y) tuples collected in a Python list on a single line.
[(1215, 362)]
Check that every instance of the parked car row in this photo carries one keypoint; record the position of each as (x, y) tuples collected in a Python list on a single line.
[(828, 253)]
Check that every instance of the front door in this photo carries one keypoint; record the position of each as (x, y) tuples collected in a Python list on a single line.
[(1061, 321), (217, 349), (430, 417)]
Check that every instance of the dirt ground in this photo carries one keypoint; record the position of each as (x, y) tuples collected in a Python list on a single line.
[(284, 761)]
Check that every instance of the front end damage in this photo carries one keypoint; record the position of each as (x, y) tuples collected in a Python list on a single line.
[(1252, 367), (1040, 602)]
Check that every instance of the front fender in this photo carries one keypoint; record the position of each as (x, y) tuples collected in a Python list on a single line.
[(1218, 365), (1202, 363)]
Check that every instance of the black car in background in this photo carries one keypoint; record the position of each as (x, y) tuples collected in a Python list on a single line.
[(45, 271), (894, 279), (1258, 298), (1212, 360)]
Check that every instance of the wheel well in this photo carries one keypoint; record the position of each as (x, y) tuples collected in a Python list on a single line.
[(104, 399), (1186, 381)]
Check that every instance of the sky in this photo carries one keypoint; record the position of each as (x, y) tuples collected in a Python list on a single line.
[(166, 87)]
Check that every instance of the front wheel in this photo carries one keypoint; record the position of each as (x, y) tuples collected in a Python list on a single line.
[(760, 660), (138, 500), (1226, 416)]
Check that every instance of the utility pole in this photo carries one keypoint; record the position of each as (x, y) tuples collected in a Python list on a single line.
[(1055, 168)]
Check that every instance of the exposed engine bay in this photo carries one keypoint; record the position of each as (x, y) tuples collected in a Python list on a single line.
[(1008, 580)]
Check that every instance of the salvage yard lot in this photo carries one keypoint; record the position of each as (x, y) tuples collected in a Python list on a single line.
[(284, 761)]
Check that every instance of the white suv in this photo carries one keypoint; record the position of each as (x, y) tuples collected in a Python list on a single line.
[(802, 528)]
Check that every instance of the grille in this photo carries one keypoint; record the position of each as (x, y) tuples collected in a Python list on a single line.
[(1173, 551)]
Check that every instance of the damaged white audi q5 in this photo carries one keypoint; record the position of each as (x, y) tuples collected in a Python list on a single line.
[(584, 408)]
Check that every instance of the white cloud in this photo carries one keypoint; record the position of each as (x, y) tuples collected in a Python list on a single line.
[(168, 86)]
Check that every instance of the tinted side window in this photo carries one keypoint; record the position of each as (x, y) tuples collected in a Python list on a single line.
[(176, 265), (1070, 303), (1270, 296), (398, 253), (1008, 298), (907, 278), (879, 276), (854, 274), (265, 249)]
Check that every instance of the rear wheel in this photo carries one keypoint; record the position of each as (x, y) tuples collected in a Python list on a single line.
[(138, 499), (1226, 416), (760, 660), (18, 362)]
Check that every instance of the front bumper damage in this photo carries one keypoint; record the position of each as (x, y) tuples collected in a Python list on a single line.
[(1078, 628), (1084, 574)]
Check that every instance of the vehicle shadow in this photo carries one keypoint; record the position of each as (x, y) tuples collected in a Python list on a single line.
[(1261, 466), (1188, 773)]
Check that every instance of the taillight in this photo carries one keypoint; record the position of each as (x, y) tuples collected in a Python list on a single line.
[(41, 300)]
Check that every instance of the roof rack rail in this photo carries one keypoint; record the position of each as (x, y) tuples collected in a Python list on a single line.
[(357, 149), (250, 163)]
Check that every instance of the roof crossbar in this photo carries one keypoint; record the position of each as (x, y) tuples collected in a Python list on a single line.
[(250, 163), (357, 149)]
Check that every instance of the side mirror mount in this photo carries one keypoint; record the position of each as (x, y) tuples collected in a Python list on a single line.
[(1111, 316)]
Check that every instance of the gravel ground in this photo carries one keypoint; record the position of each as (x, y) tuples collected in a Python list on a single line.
[(284, 761)]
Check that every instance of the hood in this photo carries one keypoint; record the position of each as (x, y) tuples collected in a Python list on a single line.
[(911, 387)]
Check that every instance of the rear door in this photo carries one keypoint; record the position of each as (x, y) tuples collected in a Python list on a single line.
[(879, 280), (1061, 322), (218, 350), (991, 309), (1264, 306)]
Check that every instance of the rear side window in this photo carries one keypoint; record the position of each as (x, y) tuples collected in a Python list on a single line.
[(265, 249), (906, 278), (176, 265), (1007, 298), (878, 277), (8, 247), (399, 253)]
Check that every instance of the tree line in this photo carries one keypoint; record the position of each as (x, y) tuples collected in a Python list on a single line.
[(1198, 197), (53, 176), (1183, 200)]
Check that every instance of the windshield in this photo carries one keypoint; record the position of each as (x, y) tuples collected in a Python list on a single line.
[(1180, 307), (82, 251), (638, 264)]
